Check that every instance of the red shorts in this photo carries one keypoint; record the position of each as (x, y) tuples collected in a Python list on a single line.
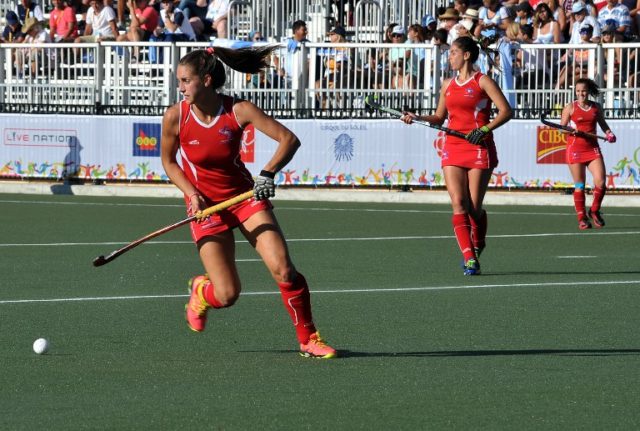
[(470, 156), (228, 219)]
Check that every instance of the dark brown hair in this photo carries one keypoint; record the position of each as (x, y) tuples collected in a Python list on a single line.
[(592, 88), (211, 61)]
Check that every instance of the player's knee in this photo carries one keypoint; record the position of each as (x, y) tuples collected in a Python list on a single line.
[(228, 296), (579, 186), (284, 274)]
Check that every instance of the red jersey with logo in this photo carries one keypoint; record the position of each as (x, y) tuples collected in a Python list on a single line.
[(579, 148), (211, 161), (211, 153), (468, 107)]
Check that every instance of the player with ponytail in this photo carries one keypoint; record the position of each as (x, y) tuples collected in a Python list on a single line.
[(206, 128), (584, 152), (465, 101)]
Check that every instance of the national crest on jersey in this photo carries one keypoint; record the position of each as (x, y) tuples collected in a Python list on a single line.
[(468, 105), (210, 152)]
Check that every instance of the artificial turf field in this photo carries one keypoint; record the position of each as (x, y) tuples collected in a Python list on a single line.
[(546, 338)]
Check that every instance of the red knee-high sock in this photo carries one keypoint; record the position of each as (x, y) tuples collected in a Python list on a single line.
[(598, 195), (297, 301), (578, 201), (209, 295), (479, 230), (462, 230)]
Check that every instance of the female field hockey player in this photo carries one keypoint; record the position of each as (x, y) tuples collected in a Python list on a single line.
[(583, 152), (468, 163), (206, 128)]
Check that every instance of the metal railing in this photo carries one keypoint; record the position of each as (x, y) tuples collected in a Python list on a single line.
[(316, 80)]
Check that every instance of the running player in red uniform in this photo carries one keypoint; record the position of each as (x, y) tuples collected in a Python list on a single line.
[(468, 163), (584, 152), (206, 129)]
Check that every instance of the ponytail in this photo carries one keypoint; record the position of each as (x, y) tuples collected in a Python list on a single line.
[(211, 61)]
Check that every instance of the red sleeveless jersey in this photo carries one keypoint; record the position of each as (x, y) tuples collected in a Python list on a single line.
[(468, 107), (581, 149), (211, 153)]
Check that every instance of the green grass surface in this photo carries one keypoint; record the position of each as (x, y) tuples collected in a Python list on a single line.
[(546, 338)]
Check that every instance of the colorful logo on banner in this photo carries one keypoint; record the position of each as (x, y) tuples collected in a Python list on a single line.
[(551, 146), (146, 139), (247, 149)]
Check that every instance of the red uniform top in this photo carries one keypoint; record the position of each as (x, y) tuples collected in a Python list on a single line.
[(579, 148), (211, 153), (468, 107)]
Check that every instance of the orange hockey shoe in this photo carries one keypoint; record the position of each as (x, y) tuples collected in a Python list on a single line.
[(317, 348), (197, 307)]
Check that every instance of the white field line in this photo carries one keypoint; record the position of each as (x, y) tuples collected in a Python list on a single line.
[(374, 238), (330, 291), (284, 208), (576, 257)]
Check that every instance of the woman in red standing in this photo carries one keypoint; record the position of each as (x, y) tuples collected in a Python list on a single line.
[(468, 163), (583, 152), (206, 128)]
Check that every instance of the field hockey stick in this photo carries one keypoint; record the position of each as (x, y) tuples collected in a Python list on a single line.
[(102, 260), (568, 129), (370, 101)]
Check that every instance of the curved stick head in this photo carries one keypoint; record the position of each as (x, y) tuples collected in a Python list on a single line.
[(99, 261)]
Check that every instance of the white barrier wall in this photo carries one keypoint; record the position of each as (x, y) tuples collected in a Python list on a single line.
[(333, 152)]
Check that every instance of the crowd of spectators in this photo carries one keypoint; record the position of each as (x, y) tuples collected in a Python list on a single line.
[(512, 21)]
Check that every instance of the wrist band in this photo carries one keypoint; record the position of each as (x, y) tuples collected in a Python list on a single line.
[(485, 129), (193, 194), (267, 174)]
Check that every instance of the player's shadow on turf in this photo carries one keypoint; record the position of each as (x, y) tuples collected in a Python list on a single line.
[(467, 353), (70, 168)]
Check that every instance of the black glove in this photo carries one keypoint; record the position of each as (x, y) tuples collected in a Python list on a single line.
[(264, 187), (476, 136)]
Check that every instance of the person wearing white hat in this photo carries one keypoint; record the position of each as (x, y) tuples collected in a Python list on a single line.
[(581, 17)]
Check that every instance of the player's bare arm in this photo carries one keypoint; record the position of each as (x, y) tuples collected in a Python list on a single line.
[(505, 113)]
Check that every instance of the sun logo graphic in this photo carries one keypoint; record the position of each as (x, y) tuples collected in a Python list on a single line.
[(551, 146), (247, 149), (146, 139), (343, 148), (438, 143)]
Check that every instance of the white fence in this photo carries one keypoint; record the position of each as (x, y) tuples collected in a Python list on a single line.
[(329, 79)]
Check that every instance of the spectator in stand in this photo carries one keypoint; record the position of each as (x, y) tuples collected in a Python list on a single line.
[(461, 6), (37, 58), (144, 20), (415, 62), (336, 65), (196, 13), (580, 18), (284, 62), (63, 26), (608, 36), (448, 21), (560, 16), (388, 31), (256, 36), (494, 20), (101, 24), (618, 15), (576, 61), (471, 18), (429, 25), (545, 29), (12, 32), (440, 38), (397, 60), (634, 7), (173, 26), (524, 13), (27, 9), (531, 62), (217, 14)]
